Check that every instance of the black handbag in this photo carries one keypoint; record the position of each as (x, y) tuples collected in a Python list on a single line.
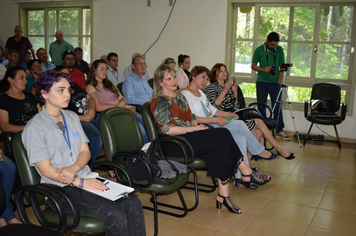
[(248, 113)]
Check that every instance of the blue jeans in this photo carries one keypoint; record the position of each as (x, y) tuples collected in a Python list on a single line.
[(92, 131), (263, 89), (142, 127), (244, 139), (7, 178), (122, 217)]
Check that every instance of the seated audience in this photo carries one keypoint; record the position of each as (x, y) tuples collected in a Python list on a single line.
[(183, 71), (84, 106), (43, 57), (207, 114), (135, 88), (35, 69), (114, 75), (7, 178), (3, 60), (16, 106), (169, 62), (68, 62), (80, 64), (215, 146), (60, 157), (224, 96), (14, 57), (128, 70), (106, 94)]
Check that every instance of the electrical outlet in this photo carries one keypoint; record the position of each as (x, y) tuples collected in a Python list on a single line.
[(148, 3), (170, 3)]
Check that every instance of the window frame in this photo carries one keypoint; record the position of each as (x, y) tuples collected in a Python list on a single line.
[(348, 85), (25, 7)]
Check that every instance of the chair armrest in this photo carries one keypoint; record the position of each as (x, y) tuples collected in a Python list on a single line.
[(306, 106), (32, 191), (185, 141), (262, 104), (118, 169), (177, 140), (343, 111), (121, 157)]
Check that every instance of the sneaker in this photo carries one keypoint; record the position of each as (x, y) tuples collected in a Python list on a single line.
[(283, 136)]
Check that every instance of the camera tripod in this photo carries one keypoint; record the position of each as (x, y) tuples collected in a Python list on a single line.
[(279, 100)]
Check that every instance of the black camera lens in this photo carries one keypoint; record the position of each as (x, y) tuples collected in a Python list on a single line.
[(273, 70)]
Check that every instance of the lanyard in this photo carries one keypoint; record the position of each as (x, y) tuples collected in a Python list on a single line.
[(67, 138), (113, 73)]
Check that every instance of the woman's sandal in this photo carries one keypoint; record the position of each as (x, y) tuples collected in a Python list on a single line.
[(228, 204), (257, 178)]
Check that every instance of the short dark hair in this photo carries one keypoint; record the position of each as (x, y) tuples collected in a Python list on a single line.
[(10, 73), (110, 55), (67, 52), (46, 80), (197, 70), (40, 50), (181, 58), (77, 49), (26, 52), (273, 36), (11, 51), (31, 62)]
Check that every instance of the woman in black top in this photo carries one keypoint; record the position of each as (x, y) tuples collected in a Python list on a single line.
[(16, 106)]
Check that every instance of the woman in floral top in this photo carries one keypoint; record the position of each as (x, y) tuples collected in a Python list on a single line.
[(215, 146)]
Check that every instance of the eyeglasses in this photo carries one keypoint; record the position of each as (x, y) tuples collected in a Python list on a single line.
[(273, 44)]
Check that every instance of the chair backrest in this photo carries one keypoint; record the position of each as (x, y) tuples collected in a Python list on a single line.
[(150, 82), (327, 91), (119, 86), (28, 174), (120, 131), (149, 121)]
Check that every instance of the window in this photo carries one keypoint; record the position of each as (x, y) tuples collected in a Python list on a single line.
[(316, 37), (73, 19)]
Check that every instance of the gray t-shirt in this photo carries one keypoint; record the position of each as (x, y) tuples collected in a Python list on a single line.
[(44, 140)]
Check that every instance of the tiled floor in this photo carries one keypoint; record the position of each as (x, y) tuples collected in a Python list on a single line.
[(312, 195)]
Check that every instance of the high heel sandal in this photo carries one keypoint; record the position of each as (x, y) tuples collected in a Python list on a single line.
[(245, 184), (256, 157), (290, 157), (257, 178), (228, 204)]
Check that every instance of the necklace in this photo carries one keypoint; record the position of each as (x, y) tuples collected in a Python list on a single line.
[(59, 123)]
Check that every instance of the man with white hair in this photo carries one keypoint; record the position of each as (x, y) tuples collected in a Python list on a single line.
[(19, 43)]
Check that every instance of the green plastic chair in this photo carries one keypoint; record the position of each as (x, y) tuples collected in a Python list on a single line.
[(31, 180), (195, 163), (121, 132)]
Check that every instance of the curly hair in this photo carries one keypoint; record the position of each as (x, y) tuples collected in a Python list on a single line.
[(46, 80)]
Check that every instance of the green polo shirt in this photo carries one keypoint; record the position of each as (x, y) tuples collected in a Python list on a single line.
[(260, 57)]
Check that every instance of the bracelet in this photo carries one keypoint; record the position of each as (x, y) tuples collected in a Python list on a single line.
[(82, 183), (73, 180), (195, 128)]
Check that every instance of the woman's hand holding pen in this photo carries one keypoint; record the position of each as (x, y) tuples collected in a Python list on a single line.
[(96, 185)]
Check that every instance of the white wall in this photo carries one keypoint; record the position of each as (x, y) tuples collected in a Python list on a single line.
[(196, 28)]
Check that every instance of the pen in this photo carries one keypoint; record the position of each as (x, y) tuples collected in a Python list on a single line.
[(106, 183)]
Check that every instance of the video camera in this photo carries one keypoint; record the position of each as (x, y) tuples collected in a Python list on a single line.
[(285, 66)]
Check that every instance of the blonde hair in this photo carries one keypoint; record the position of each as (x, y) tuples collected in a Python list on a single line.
[(158, 78)]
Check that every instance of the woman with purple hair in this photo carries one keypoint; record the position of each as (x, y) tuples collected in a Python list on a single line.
[(58, 148)]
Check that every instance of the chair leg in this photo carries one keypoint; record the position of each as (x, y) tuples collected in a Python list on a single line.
[(307, 136), (210, 188), (337, 137)]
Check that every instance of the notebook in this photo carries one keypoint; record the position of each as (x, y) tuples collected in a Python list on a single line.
[(116, 191)]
